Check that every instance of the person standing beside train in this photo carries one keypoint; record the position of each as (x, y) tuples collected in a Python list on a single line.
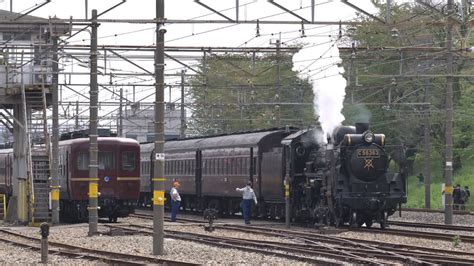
[(248, 197), (175, 200)]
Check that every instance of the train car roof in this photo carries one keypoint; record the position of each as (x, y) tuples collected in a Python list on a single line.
[(100, 139), (240, 140)]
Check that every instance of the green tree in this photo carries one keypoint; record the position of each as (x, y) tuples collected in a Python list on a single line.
[(385, 67), (239, 92)]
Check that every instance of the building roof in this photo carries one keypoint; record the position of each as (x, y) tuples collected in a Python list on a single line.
[(9, 24), (7, 15)]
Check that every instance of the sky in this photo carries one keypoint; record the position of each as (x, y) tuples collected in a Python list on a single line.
[(320, 42)]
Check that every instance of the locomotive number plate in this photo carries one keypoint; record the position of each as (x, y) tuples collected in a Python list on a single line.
[(368, 153)]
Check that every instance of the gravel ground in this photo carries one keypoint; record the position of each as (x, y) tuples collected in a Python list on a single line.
[(196, 228), (426, 217), (142, 245), (205, 254), (15, 255), (385, 238)]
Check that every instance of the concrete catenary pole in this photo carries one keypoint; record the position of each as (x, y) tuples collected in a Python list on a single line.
[(448, 167), (159, 160), (427, 146), (278, 82), (76, 124), (182, 128), (93, 145), (55, 137), (120, 116)]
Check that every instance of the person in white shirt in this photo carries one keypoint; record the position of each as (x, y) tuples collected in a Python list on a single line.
[(175, 200), (248, 197)]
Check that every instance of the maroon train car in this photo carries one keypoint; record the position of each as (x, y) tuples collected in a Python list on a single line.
[(119, 177), (6, 156)]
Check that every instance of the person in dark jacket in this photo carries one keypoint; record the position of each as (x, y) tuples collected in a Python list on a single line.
[(421, 179), (464, 197), (457, 197)]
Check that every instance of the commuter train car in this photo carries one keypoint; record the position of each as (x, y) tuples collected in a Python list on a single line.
[(345, 180), (118, 177)]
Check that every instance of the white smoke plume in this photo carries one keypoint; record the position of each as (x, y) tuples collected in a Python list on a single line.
[(328, 84)]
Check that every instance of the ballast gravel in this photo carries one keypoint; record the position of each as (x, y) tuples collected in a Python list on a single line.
[(174, 249), (10, 254)]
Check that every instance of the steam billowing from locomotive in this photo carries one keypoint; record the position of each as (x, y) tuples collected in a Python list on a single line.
[(328, 86)]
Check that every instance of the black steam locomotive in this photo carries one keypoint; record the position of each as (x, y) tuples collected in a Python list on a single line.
[(344, 180)]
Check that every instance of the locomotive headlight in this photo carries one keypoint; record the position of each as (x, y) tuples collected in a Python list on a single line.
[(369, 137)]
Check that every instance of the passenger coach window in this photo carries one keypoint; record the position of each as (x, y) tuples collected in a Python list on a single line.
[(83, 161), (128, 161), (106, 160)]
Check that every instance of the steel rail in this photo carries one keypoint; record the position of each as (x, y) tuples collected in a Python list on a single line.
[(460, 212), (424, 253), (265, 247), (113, 257), (411, 233), (408, 251), (433, 226)]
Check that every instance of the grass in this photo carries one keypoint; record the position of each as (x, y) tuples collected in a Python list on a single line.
[(416, 193)]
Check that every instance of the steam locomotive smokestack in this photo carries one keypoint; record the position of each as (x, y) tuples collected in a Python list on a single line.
[(361, 127)]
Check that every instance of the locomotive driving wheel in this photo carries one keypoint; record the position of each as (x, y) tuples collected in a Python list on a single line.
[(338, 220), (353, 222), (384, 221), (368, 222)]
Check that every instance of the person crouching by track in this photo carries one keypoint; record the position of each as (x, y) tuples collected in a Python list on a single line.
[(248, 195), (175, 200)]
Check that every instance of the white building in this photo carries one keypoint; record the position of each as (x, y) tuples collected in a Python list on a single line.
[(138, 123)]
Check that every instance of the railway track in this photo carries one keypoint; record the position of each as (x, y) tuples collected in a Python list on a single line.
[(417, 234), (459, 212), (433, 226), (425, 254), (306, 252), (374, 249), (72, 251)]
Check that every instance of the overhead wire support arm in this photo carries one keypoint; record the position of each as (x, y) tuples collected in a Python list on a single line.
[(87, 20), (130, 61), (33, 9), (362, 11), (287, 10), (433, 8), (123, 1), (183, 64), (114, 93), (215, 11)]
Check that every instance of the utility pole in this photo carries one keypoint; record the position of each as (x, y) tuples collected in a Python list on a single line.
[(76, 124), (448, 167), (120, 118), (388, 12), (183, 120), (278, 81), (93, 145), (427, 144), (159, 160), (55, 137)]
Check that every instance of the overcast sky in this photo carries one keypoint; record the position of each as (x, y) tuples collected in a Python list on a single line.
[(319, 38)]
